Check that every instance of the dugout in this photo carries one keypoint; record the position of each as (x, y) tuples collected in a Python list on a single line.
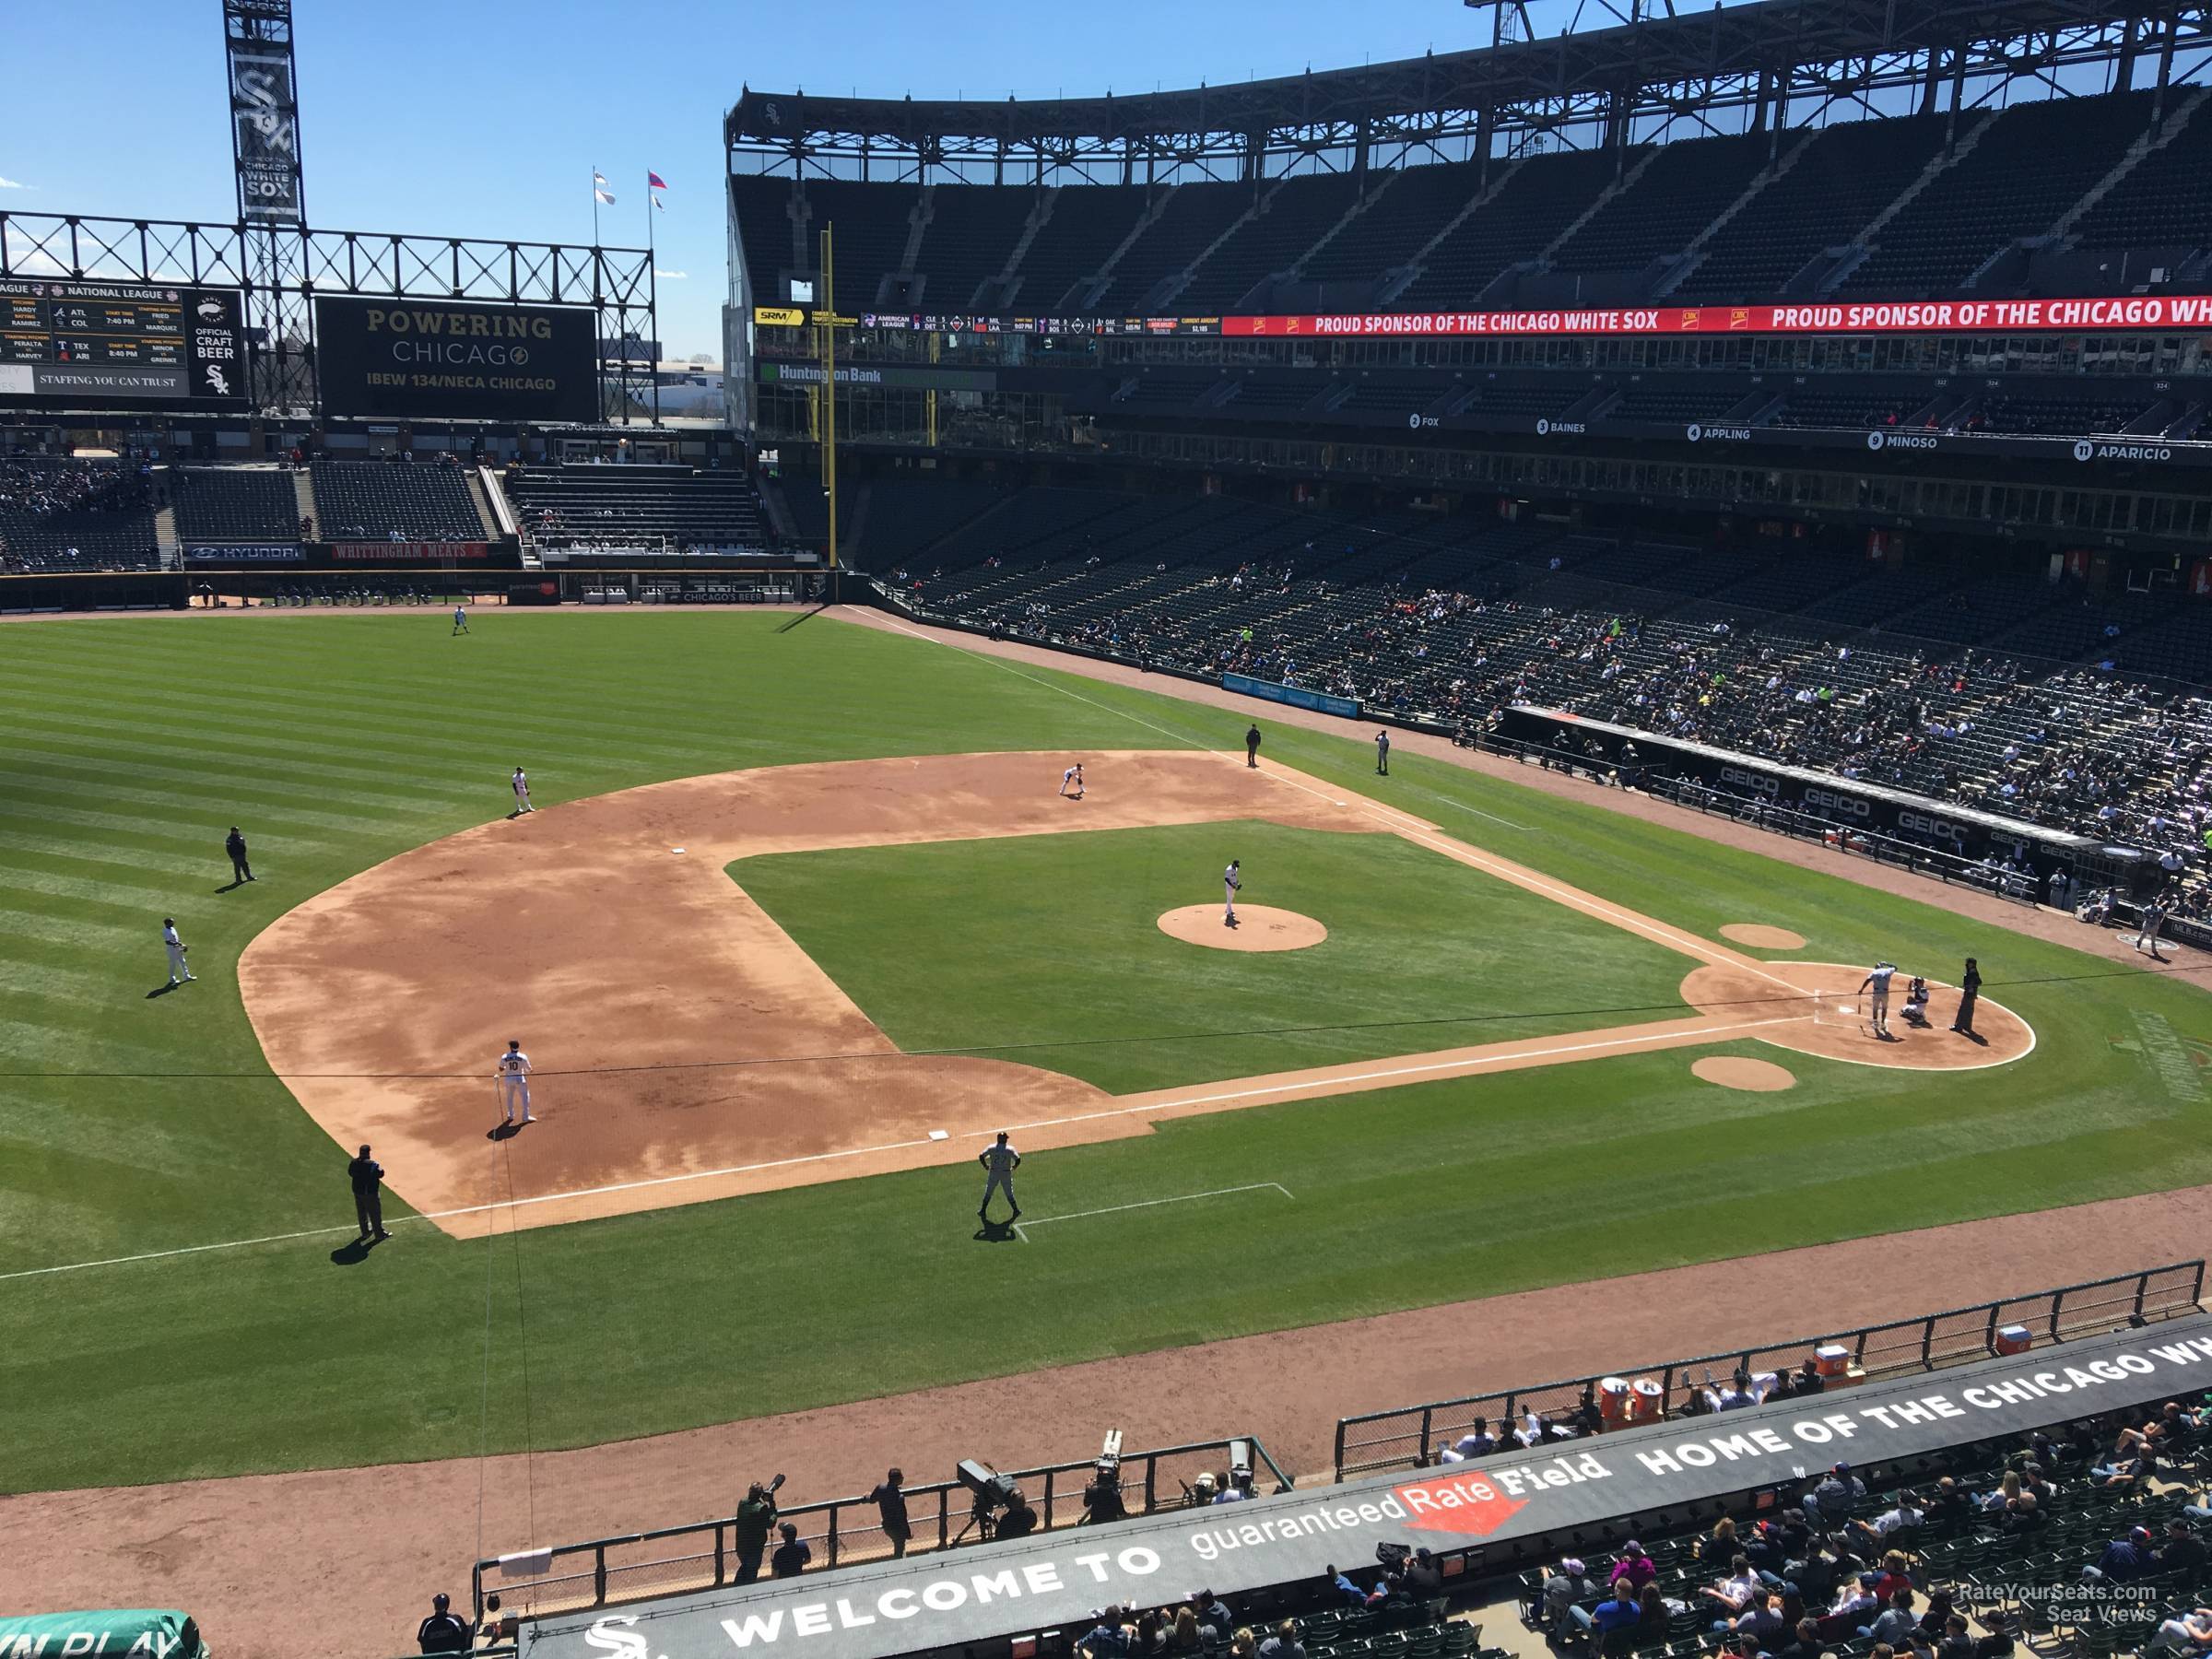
[(1029, 1596), (1851, 804)]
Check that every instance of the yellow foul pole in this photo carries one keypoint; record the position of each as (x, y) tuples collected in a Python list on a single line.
[(828, 302)]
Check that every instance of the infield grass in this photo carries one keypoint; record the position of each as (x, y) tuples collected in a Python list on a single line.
[(131, 1125), (1045, 949)]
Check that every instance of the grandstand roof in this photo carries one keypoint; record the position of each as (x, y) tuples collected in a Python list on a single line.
[(1738, 44)]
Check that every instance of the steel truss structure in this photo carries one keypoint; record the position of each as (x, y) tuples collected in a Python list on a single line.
[(1764, 66), (282, 268)]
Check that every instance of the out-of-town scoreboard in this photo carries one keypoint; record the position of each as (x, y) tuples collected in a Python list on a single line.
[(86, 343)]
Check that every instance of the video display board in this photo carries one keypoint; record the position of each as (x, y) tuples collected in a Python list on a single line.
[(457, 358), (89, 343)]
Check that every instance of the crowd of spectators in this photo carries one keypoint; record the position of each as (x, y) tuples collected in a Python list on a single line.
[(2080, 749), (1840, 1569), (41, 500)]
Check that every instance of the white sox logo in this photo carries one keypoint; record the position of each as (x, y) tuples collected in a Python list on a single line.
[(616, 1644)]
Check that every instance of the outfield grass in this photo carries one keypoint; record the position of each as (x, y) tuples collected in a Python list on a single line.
[(130, 1125), (1045, 949)]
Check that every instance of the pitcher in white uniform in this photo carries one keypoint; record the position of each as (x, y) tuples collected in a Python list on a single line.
[(512, 1073), (1231, 882)]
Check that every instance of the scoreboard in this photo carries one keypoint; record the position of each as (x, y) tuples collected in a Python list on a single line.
[(87, 343)]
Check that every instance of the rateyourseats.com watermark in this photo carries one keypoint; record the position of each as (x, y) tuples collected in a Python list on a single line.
[(2066, 1601)]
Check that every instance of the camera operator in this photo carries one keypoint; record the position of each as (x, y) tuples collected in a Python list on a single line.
[(756, 1520), (1103, 1498), (1020, 1520)]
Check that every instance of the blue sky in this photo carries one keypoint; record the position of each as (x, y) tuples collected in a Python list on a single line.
[(484, 117)]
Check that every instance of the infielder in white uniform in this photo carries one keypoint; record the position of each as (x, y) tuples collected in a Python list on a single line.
[(513, 1074), (1230, 883), (178, 972), (1878, 1005), (522, 794), (1001, 1160), (1071, 781)]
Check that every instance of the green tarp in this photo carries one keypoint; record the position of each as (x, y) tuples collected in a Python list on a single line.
[(141, 1632)]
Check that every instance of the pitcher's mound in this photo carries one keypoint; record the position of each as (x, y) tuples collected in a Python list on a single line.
[(1259, 927), (1734, 1071), (1759, 937)]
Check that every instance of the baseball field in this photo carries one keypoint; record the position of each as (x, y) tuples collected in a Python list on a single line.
[(801, 919)]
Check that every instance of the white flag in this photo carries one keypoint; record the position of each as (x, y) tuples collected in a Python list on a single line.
[(599, 191)]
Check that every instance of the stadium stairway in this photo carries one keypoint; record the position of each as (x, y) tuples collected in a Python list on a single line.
[(165, 537), (2185, 109), (1694, 251), (304, 496), (479, 492), (1866, 245)]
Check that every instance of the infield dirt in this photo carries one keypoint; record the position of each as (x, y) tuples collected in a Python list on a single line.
[(690, 1049)]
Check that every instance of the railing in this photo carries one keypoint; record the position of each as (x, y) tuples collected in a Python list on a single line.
[(1407, 1437), (841, 1532)]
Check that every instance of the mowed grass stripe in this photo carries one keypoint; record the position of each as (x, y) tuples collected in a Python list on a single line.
[(1455, 1188), (65, 925), (265, 764)]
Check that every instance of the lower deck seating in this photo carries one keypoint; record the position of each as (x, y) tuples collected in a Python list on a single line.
[(234, 503), (691, 509), (61, 514), (1915, 677), (394, 500)]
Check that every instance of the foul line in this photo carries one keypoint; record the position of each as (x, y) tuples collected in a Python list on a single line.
[(1115, 1210), (1469, 1064)]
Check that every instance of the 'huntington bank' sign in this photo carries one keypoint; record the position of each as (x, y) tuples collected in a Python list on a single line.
[(1506, 1507), (457, 359)]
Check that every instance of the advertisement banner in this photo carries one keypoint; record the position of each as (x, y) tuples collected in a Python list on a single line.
[(242, 553), (88, 342), (1940, 316), (1495, 1510), (1935, 316), (917, 378), (265, 132), (1297, 697), (469, 359), (420, 553)]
